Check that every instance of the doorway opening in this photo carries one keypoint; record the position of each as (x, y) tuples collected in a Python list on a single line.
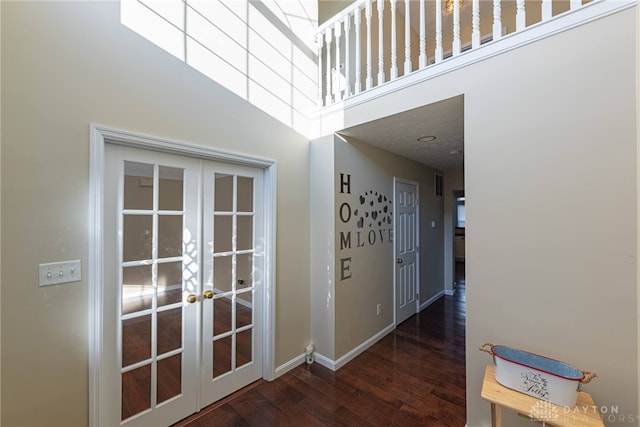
[(459, 239)]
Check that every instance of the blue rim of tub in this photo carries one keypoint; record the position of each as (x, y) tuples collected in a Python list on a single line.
[(535, 361)]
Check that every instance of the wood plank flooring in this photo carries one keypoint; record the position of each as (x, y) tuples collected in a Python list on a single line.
[(414, 376)]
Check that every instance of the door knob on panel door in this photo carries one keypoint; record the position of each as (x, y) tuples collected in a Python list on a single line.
[(208, 294), (191, 298), (399, 260)]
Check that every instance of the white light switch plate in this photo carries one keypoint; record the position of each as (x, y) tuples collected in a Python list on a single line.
[(53, 273)]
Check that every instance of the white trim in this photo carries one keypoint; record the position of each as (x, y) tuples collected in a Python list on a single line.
[(325, 361), (269, 295), (431, 300), (99, 137), (337, 364), (448, 292), (589, 12), (147, 142), (94, 273), (291, 364)]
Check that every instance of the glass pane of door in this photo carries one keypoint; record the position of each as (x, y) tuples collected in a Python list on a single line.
[(151, 288), (230, 236)]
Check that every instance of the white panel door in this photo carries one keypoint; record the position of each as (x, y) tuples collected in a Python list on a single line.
[(183, 272), (406, 250)]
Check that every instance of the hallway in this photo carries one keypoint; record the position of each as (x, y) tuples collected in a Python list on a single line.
[(414, 376)]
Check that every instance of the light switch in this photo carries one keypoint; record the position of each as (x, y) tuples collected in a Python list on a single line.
[(433, 224), (54, 273)]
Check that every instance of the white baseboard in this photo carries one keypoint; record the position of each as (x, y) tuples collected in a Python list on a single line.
[(325, 361), (362, 347), (286, 367), (334, 365), (448, 292), (431, 300)]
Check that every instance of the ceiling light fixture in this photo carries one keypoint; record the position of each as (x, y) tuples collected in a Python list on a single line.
[(426, 138)]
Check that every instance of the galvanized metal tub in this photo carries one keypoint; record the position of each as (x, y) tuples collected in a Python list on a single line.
[(538, 376)]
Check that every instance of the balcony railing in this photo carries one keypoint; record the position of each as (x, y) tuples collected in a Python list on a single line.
[(374, 42)]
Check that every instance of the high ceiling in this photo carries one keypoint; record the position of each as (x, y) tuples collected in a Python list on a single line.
[(399, 134)]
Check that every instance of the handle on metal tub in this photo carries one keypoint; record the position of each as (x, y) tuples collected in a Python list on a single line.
[(486, 347), (588, 376)]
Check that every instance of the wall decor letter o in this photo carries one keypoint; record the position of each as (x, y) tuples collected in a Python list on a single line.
[(342, 212)]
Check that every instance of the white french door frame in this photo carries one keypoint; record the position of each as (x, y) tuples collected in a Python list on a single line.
[(397, 180), (99, 137)]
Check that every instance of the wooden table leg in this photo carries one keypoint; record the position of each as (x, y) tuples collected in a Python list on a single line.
[(496, 415)]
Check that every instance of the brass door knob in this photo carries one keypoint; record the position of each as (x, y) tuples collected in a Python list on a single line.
[(208, 294), (191, 298)]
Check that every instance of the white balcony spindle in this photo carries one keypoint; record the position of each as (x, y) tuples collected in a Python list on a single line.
[(337, 87), (407, 38), (457, 45), (320, 44), (423, 37), (347, 58), (367, 15), (475, 24), (546, 10), (358, 83), (497, 20), (438, 51), (381, 77), (393, 71), (328, 94), (341, 73), (521, 16)]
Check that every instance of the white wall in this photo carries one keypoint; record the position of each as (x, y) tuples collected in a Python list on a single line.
[(66, 65), (550, 175)]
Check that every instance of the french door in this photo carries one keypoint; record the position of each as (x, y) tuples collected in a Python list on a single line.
[(183, 276), (406, 249)]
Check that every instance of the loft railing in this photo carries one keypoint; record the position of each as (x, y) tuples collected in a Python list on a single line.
[(373, 42)]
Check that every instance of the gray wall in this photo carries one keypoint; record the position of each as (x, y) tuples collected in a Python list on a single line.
[(322, 194), (551, 193), (550, 174), (345, 296), (551, 208), (371, 265), (66, 65)]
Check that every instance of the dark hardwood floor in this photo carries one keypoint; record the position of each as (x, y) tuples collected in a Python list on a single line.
[(414, 376)]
